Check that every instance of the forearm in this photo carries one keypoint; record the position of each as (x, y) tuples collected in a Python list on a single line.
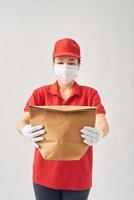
[(102, 124), (21, 124), (24, 120), (104, 128)]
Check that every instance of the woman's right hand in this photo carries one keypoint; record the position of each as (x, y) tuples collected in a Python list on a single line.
[(33, 133)]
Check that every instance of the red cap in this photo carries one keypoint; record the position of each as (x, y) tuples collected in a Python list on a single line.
[(66, 47)]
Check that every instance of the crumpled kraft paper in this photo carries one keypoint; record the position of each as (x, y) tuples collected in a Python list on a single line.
[(62, 140)]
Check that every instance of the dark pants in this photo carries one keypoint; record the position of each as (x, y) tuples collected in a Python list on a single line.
[(45, 193)]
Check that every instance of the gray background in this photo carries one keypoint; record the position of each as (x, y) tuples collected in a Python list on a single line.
[(104, 30)]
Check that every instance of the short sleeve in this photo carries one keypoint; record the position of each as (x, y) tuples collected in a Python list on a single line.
[(31, 101), (96, 101)]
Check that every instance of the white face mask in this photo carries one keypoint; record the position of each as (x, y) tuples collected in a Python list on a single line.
[(65, 72)]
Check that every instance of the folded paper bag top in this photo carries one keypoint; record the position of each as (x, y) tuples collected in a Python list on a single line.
[(62, 140)]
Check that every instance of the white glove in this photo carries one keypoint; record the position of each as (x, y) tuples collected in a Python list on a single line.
[(91, 135), (33, 133)]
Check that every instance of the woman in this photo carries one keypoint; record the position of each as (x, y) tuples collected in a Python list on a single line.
[(63, 180)]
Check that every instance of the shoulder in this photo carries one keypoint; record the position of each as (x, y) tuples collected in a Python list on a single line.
[(42, 88), (88, 89)]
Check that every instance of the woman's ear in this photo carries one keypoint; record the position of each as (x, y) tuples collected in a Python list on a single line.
[(53, 62), (79, 65)]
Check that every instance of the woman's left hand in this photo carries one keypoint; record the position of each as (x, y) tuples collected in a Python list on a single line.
[(91, 135)]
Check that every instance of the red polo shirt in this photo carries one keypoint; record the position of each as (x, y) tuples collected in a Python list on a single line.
[(74, 174)]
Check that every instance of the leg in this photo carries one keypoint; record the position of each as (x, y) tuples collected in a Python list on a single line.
[(45, 193), (75, 194)]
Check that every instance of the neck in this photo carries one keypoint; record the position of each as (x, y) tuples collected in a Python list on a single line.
[(64, 87)]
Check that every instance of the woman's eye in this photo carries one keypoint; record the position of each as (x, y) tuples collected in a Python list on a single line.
[(60, 63), (71, 63)]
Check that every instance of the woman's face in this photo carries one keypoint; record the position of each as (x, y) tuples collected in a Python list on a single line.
[(70, 60), (67, 75)]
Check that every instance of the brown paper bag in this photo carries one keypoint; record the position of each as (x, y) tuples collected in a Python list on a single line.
[(62, 140)]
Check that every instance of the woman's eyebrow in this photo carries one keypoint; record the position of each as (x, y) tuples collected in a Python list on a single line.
[(71, 59), (60, 58)]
